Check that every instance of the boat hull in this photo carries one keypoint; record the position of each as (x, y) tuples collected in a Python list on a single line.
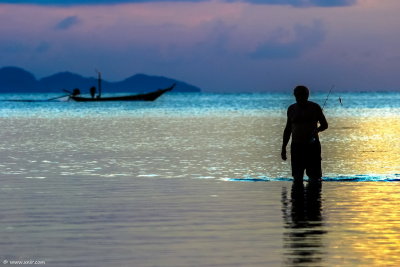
[(139, 97)]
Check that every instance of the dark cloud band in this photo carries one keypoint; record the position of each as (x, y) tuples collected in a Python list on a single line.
[(86, 2), (303, 3), (296, 3)]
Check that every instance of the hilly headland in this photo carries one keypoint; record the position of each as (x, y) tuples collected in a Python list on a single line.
[(18, 80)]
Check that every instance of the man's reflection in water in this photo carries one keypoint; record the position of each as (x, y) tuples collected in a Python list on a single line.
[(303, 240)]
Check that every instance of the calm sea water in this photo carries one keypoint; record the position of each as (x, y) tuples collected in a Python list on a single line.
[(161, 183), (203, 104)]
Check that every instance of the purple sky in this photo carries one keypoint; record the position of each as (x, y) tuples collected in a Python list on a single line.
[(218, 45)]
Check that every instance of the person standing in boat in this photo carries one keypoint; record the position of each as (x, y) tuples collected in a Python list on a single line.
[(93, 91), (305, 120), (76, 92)]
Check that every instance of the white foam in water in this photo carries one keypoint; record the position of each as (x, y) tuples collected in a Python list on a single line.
[(364, 178), (148, 175), (341, 178)]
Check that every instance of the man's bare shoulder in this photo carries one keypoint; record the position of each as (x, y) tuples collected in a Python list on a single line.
[(313, 104), (292, 106), (291, 109)]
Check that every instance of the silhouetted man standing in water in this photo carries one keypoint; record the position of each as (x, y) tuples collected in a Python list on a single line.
[(305, 120)]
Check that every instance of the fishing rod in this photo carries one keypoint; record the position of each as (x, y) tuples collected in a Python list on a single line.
[(327, 97), (323, 106)]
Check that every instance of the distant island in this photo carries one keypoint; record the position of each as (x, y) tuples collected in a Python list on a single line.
[(18, 80)]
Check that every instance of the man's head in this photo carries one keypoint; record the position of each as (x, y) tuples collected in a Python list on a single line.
[(301, 94)]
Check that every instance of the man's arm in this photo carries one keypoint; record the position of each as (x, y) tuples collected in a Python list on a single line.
[(286, 137), (323, 124)]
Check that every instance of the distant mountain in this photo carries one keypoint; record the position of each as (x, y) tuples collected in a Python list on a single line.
[(13, 79), (17, 80)]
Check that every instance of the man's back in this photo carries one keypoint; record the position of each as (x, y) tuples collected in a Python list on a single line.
[(304, 120)]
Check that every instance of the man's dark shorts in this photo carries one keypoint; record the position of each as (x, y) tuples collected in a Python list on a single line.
[(306, 157)]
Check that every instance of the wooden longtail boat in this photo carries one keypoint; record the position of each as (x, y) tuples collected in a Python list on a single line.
[(151, 96), (138, 97)]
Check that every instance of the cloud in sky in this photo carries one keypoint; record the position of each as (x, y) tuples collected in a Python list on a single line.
[(216, 45), (67, 23), (297, 3), (304, 38)]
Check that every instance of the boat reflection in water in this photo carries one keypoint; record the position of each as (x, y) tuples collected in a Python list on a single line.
[(304, 224)]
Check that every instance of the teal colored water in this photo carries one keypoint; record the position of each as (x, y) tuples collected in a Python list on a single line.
[(203, 104)]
